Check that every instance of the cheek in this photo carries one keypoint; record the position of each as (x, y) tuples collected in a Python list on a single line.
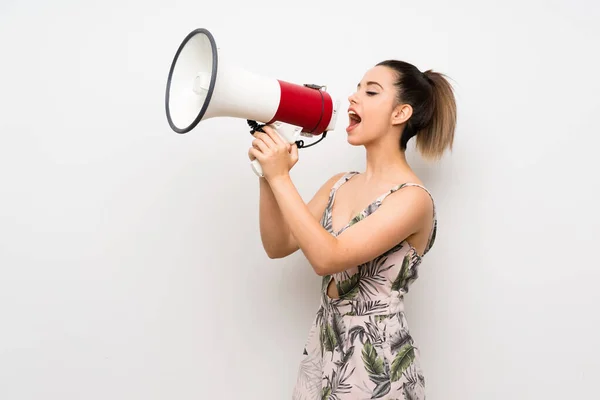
[(378, 118)]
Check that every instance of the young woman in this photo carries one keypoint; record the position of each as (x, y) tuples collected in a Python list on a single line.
[(364, 233)]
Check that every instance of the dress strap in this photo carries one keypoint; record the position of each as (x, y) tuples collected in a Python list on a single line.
[(433, 232), (342, 180)]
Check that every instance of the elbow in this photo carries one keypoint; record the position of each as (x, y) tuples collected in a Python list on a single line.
[(276, 250), (323, 267), (330, 265), (327, 260), (275, 254)]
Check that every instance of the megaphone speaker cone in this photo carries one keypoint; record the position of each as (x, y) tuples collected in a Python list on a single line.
[(191, 81)]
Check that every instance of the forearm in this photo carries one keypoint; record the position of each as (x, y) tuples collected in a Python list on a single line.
[(274, 231), (316, 243)]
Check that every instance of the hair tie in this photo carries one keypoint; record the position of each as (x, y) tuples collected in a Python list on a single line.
[(427, 78)]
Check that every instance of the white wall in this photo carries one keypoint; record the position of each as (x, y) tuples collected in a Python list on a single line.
[(130, 261)]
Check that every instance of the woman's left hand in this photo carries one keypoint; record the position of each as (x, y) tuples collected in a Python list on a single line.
[(276, 157)]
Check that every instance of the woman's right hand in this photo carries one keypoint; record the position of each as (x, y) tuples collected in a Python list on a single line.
[(278, 156)]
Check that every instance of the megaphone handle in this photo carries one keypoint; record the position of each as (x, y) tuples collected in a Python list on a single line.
[(257, 168), (287, 132)]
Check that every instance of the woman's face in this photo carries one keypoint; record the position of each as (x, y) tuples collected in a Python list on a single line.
[(371, 112)]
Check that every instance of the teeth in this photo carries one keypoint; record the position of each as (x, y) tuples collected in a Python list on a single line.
[(351, 112)]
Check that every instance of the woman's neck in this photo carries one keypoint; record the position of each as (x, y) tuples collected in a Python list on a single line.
[(385, 161)]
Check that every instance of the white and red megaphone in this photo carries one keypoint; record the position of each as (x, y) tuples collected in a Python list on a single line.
[(201, 85)]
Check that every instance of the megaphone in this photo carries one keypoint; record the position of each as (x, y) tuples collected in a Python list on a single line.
[(202, 85)]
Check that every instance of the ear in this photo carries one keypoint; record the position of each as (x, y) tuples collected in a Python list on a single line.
[(401, 114)]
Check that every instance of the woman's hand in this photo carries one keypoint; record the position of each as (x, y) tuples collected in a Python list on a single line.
[(276, 157)]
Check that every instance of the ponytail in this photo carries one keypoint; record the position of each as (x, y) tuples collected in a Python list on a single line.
[(438, 135), (433, 120)]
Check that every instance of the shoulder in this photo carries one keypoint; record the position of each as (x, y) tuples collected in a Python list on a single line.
[(319, 201), (413, 198), (338, 177), (333, 180)]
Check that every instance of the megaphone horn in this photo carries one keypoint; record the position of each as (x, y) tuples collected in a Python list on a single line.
[(202, 85)]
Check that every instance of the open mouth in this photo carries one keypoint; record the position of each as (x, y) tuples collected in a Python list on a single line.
[(354, 120)]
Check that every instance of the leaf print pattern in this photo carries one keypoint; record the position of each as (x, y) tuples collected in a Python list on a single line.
[(403, 360), (375, 368), (413, 388), (359, 345), (339, 331), (407, 274), (371, 276), (368, 307), (328, 340), (348, 288)]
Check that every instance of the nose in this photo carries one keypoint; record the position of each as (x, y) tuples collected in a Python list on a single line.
[(352, 98)]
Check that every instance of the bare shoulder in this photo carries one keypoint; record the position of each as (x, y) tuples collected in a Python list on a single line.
[(412, 197), (319, 201), (412, 192), (325, 188), (331, 181)]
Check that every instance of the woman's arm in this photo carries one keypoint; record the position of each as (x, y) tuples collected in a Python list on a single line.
[(277, 238), (275, 235), (401, 215)]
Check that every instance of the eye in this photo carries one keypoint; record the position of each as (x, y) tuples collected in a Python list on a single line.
[(371, 93)]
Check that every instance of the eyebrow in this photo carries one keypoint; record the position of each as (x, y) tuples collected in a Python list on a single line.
[(371, 83)]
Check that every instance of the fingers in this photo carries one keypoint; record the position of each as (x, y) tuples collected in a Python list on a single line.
[(260, 144), (275, 137), (271, 140), (294, 153), (269, 145), (251, 155), (255, 154), (265, 137)]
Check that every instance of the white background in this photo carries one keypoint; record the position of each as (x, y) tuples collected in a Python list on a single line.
[(130, 260)]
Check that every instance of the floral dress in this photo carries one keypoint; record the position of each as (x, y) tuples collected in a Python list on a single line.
[(359, 345)]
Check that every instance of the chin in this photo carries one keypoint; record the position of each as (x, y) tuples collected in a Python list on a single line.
[(354, 141), (356, 137)]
